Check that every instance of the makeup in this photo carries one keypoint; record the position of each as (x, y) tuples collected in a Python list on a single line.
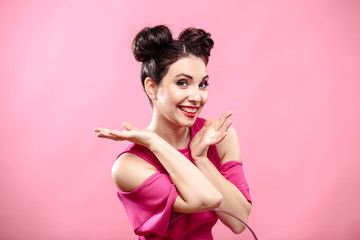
[(188, 111)]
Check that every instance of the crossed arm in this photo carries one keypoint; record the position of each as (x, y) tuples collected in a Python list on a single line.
[(233, 200), (200, 187)]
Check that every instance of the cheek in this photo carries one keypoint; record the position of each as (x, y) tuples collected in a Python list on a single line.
[(204, 97), (162, 95), (176, 96)]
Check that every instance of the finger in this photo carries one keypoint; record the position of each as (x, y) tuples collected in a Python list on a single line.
[(122, 135), (128, 126), (226, 115), (208, 122), (226, 126), (115, 135), (221, 136), (107, 136), (119, 134), (222, 133), (103, 134), (101, 130), (222, 120)]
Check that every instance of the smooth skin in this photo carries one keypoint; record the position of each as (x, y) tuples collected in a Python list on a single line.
[(201, 186)]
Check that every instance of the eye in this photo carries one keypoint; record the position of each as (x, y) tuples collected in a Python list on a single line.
[(182, 83), (204, 84)]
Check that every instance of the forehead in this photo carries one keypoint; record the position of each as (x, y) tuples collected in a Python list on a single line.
[(193, 66)]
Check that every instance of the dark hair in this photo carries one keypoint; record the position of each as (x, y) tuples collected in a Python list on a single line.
[(157, 50)]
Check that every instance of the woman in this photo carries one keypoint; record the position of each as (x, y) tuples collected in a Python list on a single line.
[(180, 163)]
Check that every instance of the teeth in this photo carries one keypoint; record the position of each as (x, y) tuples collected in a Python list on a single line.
[(189, 110)]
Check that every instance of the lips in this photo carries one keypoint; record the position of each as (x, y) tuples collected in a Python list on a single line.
[(188, 111)]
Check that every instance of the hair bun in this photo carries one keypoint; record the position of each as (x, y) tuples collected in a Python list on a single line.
[(198, 40), (149, 41)]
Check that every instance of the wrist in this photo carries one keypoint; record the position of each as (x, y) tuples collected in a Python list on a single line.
[(202, 162), (200, 159), (199, 153), (154, 142)]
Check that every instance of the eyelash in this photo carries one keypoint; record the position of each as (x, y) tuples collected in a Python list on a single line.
[(201, 85), (181, 83), (206, 84)]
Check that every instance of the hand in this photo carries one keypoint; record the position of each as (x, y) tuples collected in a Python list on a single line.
[(140, 136), (213, 132)]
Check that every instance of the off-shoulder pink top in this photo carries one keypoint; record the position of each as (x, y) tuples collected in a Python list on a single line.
[(149, 207)]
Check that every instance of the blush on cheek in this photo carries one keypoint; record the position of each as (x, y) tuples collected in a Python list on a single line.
[(162, 96), (204, 99), (178, 94)]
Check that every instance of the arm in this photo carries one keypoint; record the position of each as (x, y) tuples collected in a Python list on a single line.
[(228, 149), (196, 193)]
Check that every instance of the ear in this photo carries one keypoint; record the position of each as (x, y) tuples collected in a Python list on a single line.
[(150, 88)]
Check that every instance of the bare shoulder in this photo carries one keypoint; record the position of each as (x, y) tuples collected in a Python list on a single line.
[(228, 149), (130, 171)]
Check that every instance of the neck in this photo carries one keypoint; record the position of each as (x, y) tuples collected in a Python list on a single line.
[(176, 136)]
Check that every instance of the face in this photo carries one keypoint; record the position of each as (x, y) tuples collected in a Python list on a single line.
[(182, 93)]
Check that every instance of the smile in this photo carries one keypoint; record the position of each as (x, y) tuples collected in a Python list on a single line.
[(188, 111)]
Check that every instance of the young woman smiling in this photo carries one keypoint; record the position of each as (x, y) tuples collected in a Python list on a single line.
[(179, 163)]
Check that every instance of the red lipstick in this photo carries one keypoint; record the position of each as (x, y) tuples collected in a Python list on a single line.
[(188, 114)]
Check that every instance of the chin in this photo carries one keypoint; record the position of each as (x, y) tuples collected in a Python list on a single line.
[(189, 122), (186, 121)]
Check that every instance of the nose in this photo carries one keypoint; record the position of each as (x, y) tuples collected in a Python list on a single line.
[(194, 95)]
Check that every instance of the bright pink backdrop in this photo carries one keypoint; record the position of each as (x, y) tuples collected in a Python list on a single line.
[(289, 70)]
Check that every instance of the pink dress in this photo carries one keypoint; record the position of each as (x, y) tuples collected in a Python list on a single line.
[(149, 207)]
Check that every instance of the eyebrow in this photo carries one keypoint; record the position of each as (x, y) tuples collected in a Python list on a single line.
[(188, 76)]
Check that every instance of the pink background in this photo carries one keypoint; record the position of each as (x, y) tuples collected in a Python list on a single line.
[(289, 70)]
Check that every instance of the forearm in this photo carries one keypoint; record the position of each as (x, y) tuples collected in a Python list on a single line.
[(193, 186), (233, 200)]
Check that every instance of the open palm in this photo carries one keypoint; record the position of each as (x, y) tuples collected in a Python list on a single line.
[(140, 136), (213, 132)]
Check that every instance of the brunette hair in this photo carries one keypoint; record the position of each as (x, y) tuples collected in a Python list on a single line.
[(157, 50)]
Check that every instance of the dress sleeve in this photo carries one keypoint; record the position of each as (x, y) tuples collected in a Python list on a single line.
[(233, 171), (149, 206)]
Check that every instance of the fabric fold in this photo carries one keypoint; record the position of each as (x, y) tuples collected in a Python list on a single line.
[(157, 195), (233, 171), (149, 206)]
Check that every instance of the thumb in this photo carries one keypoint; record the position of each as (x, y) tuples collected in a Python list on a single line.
[(128, 126)]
